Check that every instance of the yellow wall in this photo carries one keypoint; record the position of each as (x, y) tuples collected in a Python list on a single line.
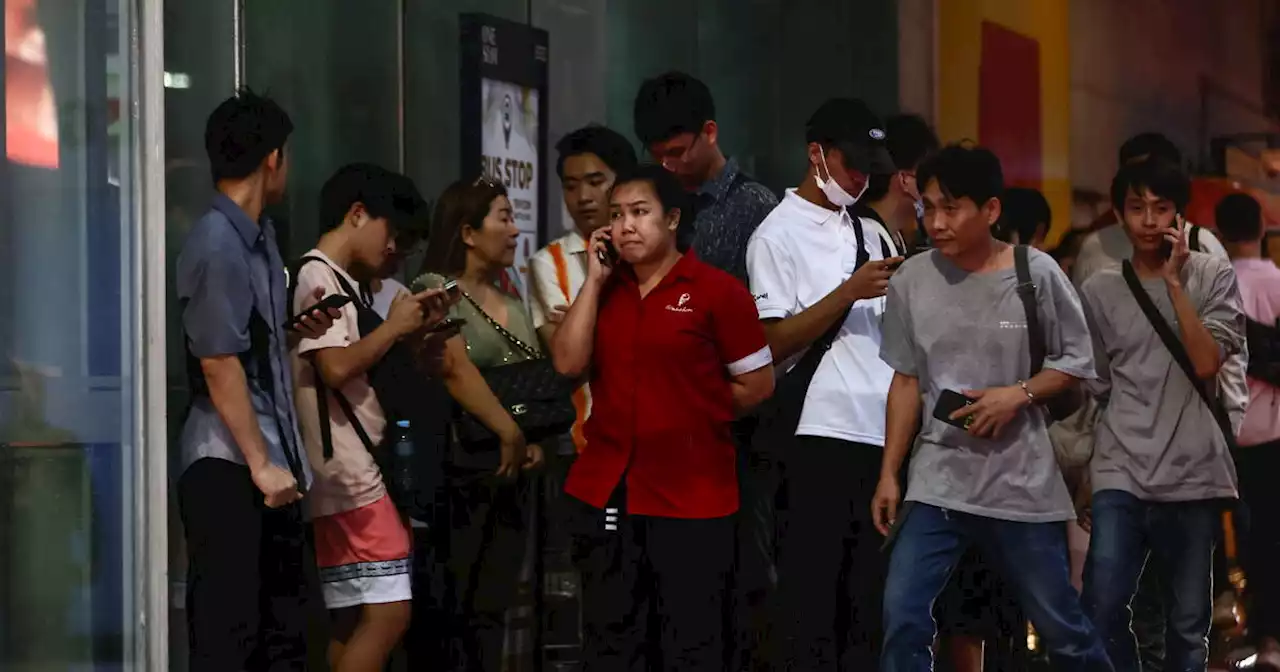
[(959, 55)]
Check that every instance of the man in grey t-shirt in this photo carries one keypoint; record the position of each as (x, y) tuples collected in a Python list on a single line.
[(954, 321), (1161, 468)]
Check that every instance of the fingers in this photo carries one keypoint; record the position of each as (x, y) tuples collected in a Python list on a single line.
[(426, 295), (965, 412), (318, 293), (885, 513)]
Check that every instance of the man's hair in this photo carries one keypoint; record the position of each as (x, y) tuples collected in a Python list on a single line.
[(243, 131), (463, 203), (670, 196), (385, 195), (1149, 145), (1164, 179), (1239, 218), (613, 149), (909, 140), (1022, 211), (964, 171), (670, 104)]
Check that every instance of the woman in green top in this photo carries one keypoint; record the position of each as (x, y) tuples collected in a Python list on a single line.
[(473, 240)]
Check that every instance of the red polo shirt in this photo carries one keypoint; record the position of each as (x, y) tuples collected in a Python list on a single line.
[(662, 405)]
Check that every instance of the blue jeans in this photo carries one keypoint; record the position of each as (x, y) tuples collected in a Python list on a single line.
[(1032, 558), (1179, 538)]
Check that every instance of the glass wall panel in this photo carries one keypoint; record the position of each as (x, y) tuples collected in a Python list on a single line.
[(69, 357)]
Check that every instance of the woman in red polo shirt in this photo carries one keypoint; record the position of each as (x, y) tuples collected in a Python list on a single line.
[(675, 351)]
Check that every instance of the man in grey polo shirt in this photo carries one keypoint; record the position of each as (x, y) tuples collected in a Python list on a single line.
[(251, 574), (1161, 469), (954, 322)]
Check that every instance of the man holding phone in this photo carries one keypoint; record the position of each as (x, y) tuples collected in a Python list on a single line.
[(1166, 324), (814, 267), (985, 474)]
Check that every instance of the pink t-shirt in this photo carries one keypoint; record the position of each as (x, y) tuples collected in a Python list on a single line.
[(1259, 281), (349, 479)]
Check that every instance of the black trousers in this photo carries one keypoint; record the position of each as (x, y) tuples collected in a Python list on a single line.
[(653, 589), (253, 591), (831, 570), (1260, 493)]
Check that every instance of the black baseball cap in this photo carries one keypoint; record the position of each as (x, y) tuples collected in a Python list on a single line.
[(847, 124)]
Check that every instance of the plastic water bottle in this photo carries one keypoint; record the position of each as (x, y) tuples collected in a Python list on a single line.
[(402, 481)]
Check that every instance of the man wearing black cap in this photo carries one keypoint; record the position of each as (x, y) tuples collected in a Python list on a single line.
[(819, 277)]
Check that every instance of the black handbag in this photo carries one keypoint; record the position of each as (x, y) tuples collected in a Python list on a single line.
[(538, 399)]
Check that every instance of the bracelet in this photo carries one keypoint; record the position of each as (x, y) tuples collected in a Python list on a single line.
[(1031, 397)]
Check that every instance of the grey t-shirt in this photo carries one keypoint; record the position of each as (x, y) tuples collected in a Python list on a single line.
[(1157, 439), (968, 331)]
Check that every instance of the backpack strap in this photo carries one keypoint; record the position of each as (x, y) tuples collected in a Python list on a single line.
[(1027, 292), (1193, 238)]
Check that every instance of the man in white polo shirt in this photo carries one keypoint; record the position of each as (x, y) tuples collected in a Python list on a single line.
[(590, 159), (815, 270)]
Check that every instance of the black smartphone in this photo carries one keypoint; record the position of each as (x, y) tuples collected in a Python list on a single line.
[(447, 324), (609, 256), (1166, 247), (950, 401), (451, 288), (331, 302)]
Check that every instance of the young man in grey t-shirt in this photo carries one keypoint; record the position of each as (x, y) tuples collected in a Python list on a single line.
[(1161, 469), (954, 322)]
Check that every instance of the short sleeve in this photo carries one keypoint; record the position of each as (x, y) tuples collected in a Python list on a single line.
[(215, 284), (311, 276), (897, 337), (773, 279), (1068, 342), (738, 334), (544, 288), (1222, 310)]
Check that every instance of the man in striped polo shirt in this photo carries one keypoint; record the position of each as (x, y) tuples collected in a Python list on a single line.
[(590, 159)]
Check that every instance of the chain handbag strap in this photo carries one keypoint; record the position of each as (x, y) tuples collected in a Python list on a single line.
[(519, 344)]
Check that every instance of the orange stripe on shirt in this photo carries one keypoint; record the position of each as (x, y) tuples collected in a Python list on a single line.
[(580, 394)]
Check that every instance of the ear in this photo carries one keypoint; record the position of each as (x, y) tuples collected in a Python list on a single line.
[(468, 235), (991, 210), (273, 160), (815, 154), (357, 214), (712, 131), (673, 219)]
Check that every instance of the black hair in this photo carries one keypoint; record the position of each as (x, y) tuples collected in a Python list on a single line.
[(909, 140), (670, 104), (1068, 246), (964, 171), (1239, 218), (1164, 179), (243, 131), (463, 203), (671, 196), (385, 195), (1022, 211), (1149, 145), (613, 149)]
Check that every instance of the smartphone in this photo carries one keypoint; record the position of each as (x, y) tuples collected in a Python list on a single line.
[(609, 256), (950, 401), (1166, 247), (447, 325), (450, 288), (331, 302)]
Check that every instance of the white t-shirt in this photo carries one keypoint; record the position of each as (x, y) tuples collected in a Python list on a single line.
[(800, 253), (383, 297), (556, 275)]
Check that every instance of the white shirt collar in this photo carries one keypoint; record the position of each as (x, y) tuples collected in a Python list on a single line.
[(813, 212)]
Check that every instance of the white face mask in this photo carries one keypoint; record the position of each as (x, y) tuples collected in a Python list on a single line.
[(834, 192)]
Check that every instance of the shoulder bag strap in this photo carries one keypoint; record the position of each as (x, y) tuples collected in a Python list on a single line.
[(1179, 352), (1193, 239), (511, 338), (1027, 292)]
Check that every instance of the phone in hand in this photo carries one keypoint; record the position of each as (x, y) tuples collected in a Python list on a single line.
[(950, 401), (331, 302), (1166, 247), (609, 255), (451, 288), (447, 325)]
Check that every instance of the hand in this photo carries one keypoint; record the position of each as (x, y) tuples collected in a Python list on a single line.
[(871, 280), (556, 316), (514, 453), (316, 323), (1172, 270), (278, 487), (884, 505), (406, 314), (435, 305), (596, 271), (534, 457), (429, 351), (992, 410)]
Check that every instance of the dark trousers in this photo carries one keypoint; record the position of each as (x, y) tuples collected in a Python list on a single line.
[(756, 574), (489, 522), (830, 567), (253, 598), (1178, 537), (1260, 493), (653, 589)]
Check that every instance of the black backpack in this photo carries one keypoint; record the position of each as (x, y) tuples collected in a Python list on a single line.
[(405, 393), (1264, 351)]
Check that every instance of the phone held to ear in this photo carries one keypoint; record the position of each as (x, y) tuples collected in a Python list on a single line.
[(1166, 247), (608, 256), (331, 302), (950, 401)]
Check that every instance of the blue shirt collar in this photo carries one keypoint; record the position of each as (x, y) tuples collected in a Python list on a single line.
[(249, 231)]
